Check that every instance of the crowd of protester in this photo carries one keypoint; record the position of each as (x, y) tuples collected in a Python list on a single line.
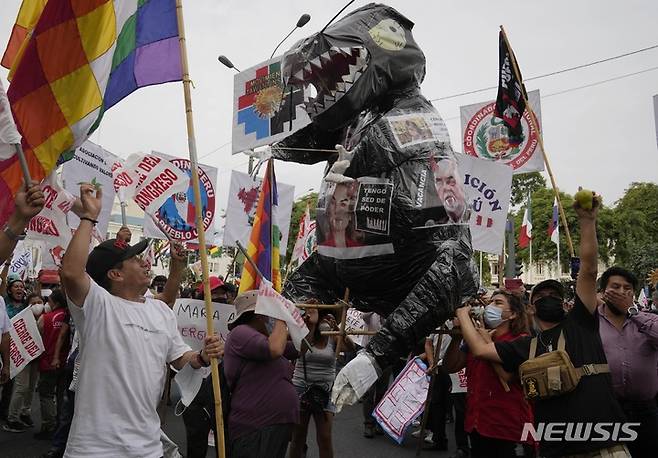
[(100, 300)]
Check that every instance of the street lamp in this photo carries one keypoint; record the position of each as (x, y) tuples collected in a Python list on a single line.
[(301, 22), (226, 62)]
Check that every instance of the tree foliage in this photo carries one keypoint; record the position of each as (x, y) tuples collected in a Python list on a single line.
[(627, 233), (524, 184)]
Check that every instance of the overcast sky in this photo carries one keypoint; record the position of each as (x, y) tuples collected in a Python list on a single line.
[(602, 137)]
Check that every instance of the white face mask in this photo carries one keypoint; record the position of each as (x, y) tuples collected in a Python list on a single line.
[(493, 316), (189, 381), (37, 309)]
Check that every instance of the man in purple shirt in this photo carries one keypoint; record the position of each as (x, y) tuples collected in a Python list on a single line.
[(630, 341)]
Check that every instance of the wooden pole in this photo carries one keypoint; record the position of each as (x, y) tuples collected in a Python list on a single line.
[(535, 125), (343, 319), (191, 140), (423, 422)]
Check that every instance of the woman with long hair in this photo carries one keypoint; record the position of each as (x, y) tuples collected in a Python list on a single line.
[(314, 376), (496, 409)]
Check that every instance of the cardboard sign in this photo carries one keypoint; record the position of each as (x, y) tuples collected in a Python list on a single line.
[(26, 344), (354, 322), (404, 401), (191, 318)]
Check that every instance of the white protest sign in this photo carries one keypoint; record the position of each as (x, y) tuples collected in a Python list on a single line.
[(157, 180), (404, 401), (176, 216), (485, 136), (354, 322), (241, 209), (263, 110), (50, 224), (91, 164), (21, 260), (26, 343), (273, 304), (488, 187), (458, 380), (191, 319)]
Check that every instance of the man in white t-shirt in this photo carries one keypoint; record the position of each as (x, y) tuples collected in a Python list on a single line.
[(125, 342)]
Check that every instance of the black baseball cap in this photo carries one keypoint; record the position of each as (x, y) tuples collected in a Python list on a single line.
[(548, 284), (110, 253)]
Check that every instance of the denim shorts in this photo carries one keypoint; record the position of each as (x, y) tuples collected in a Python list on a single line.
[(303, 387)]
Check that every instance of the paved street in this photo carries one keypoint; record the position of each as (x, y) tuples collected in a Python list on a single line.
[(348, 439)]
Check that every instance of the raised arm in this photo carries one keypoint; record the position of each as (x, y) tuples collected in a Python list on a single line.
[(589, 250), (28, 204), (278, 339), (476, 343), (176, 269), (73, 274)]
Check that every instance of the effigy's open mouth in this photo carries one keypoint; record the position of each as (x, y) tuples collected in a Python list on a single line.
[(329, 76)]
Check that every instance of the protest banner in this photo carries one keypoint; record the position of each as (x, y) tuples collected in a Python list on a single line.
[(485, 136), (263, 112), (488, 188), (404, 401), (93, 164), (176, 215), (21, 260), (241, 209), (157, 179), (26, 343), (273, 304), (191, 319), (50, 224)]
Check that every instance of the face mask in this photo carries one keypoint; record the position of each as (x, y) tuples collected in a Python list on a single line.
[(549, 309), (189, 381), (493, 316), (37, 309)]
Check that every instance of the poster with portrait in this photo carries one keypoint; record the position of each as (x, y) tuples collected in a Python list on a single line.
[(348, 225)]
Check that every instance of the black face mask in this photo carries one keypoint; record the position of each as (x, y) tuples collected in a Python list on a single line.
[(549, 309)]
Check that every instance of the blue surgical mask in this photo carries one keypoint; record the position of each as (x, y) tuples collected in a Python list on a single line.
[(493, 316)]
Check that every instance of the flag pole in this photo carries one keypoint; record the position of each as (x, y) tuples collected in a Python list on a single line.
[(191, 140), (535, 126), (23, 162)]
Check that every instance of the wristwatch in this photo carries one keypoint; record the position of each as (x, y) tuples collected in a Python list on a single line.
[(633, 310), (11, 235)]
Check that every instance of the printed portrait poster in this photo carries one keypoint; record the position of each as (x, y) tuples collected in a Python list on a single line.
[(263, 111), (351, 222), (485, 136)]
